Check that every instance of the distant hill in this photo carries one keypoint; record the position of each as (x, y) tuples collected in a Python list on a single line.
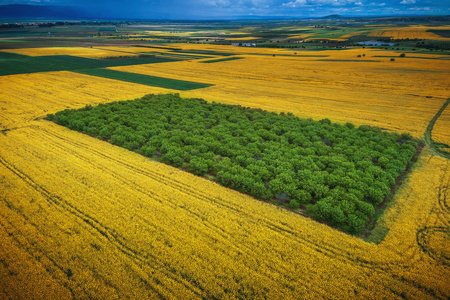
[(18, 11), (333, 17)]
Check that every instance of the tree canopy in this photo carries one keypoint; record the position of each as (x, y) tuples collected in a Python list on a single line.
[(338, 172)]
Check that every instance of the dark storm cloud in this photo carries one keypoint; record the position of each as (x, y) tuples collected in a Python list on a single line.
[(208, 9)]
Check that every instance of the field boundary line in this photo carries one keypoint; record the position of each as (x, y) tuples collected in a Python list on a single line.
[(428, 133), (182, 187), (110, 234)]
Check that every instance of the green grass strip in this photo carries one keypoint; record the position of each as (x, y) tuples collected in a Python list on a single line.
[(178, 55), (389, 56), (441, 32), (428, 136), (167, 83), (11, 64), (8, 55), (207, 52), (220, 59), (349, 60)]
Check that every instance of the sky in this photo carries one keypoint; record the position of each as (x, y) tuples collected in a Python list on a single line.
[(234, 9)]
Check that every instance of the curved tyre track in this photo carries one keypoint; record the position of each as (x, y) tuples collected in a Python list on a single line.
[(424, 235), (328, 249), (57, 140), (105, 231), (428, 133)]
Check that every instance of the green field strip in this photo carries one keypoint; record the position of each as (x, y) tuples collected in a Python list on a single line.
[(107, 29), (412, 70), (220, 60), (111, 50), (348, 60), (137, 61), (12, 64), (161, 55), (205, 52), (156, 47), (84, 63), (441, 32), (428, 133), (438, 58), (18, 33), (9, 55), (178, 55), (21, 64), (12, 41), (70, 62), (167, 83), (288, 55)]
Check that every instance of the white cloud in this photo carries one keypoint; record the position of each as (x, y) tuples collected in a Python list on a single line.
[(300, 3), (216, 3), (296, 3), (235, 4), (420, 8), (408, 2), (260, 2)]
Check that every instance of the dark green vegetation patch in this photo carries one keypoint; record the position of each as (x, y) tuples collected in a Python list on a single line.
[(177, 55), (441, 32), (220, 60), (207, 52), (338, 173), (11, 64), (167, 83)]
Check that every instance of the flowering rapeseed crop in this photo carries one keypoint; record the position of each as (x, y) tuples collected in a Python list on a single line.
[(74, 51), (80, 218), (411, 32), (400, 96), (441, 132)]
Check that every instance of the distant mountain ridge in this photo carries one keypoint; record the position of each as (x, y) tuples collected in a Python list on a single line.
[(40, 11), (332, 17), (27, 11)]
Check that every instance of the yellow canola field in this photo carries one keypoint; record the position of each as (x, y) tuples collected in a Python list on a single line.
[(80, 218), (349, 35), (301, 36), (129, 49), (88, 52), (411, 32), (243, 38), (401, 96), (19, 94), (319, 39), (143, 39), (228, 48), (74, 51)]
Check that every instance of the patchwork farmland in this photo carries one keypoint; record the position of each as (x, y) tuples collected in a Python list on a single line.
[(83, 218)]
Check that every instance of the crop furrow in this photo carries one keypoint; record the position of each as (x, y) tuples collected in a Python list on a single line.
[(328, 249), (37, 254), (154, 195), (332, 251), (103, 230)]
